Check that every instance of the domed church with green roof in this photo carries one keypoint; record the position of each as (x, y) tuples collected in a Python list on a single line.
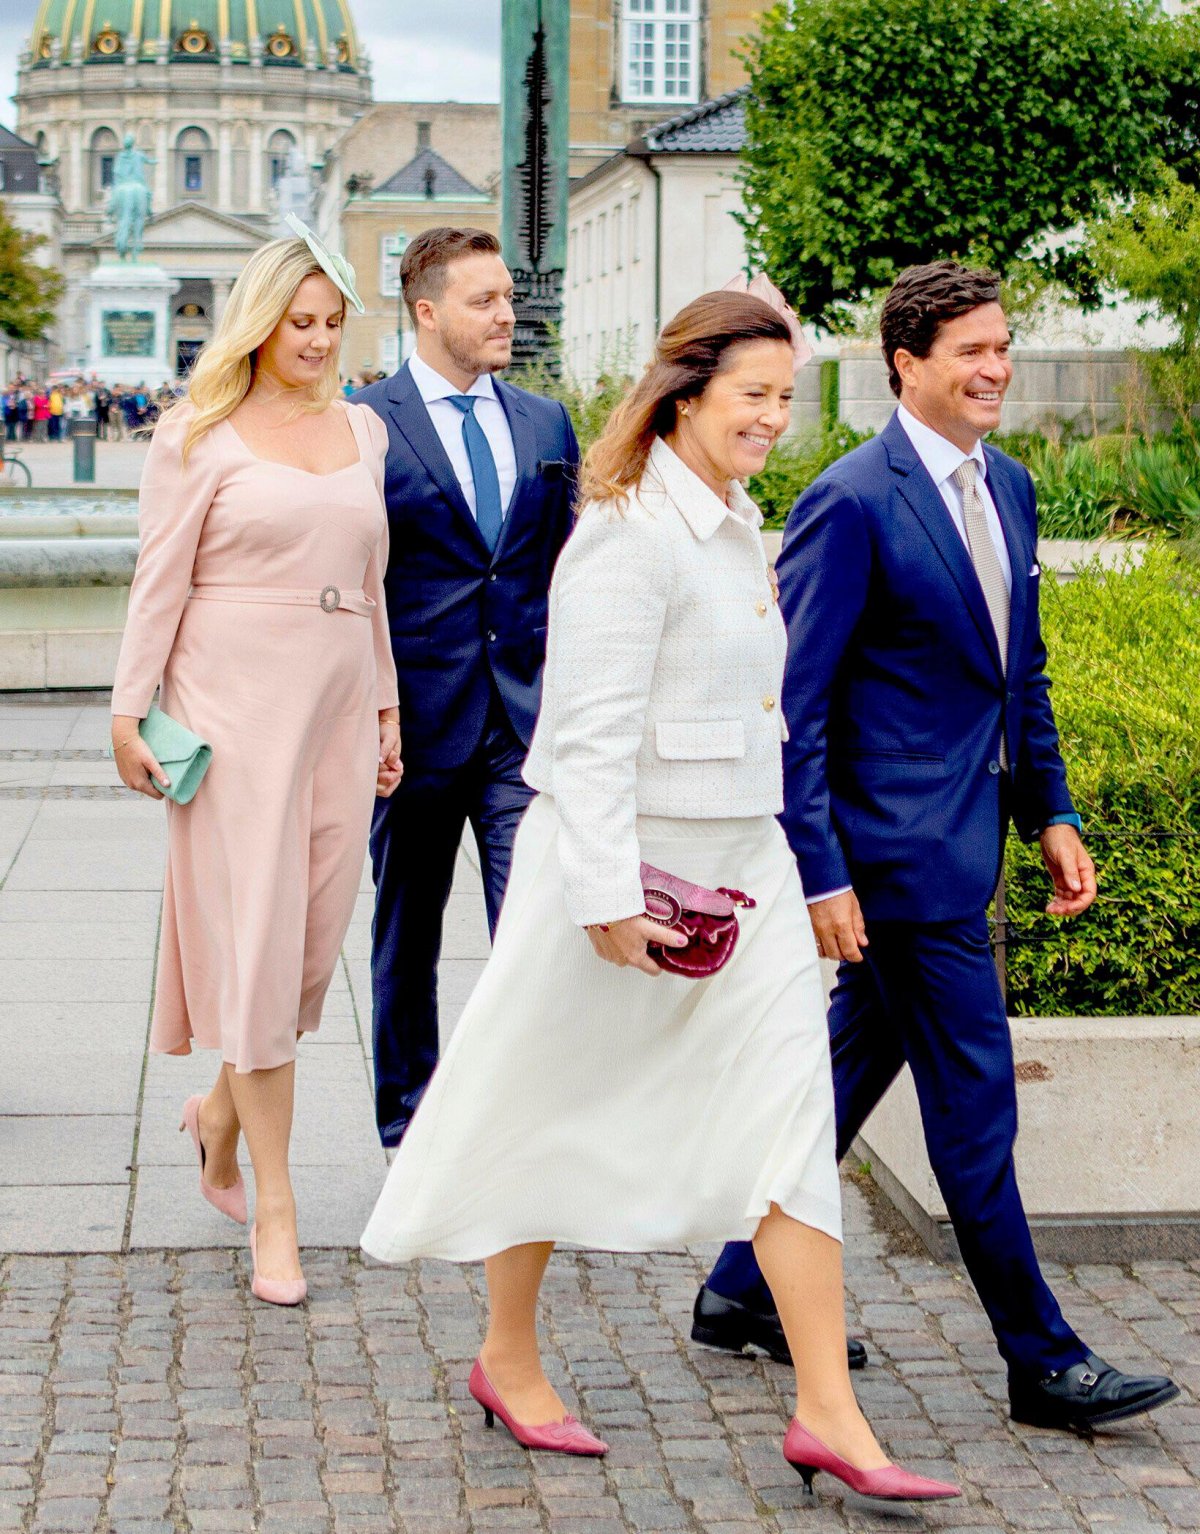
[(237, 102)]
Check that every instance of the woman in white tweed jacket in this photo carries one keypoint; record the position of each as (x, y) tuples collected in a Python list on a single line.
[(578, 1101)]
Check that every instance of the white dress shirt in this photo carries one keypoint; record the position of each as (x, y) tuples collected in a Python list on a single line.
[(448, 423), (942, 459)]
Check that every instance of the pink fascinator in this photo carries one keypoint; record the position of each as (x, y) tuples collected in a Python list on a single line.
[(762, 287)]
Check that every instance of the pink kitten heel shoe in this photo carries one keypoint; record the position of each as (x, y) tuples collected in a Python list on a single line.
[(274, 1291), (807, 1454), (230, 1201), (568, 1436)]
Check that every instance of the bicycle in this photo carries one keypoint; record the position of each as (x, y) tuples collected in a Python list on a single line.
[(14, 470)]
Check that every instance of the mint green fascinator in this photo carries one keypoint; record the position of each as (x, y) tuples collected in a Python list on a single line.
[(336, 268)]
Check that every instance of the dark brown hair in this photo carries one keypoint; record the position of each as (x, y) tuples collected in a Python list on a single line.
[(920, 302), (692, 349), (423, 267)]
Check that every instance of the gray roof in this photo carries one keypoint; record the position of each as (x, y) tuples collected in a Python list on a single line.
[(413, 180), (9, 140), (713, 127)]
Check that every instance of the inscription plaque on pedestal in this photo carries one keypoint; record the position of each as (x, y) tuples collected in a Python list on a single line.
[(127, 333)]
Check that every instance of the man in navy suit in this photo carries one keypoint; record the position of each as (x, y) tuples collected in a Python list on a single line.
[(919, 714), (478, 484)]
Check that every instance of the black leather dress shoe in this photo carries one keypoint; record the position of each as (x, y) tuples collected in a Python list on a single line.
[(721, 1323), (1086, 1396)]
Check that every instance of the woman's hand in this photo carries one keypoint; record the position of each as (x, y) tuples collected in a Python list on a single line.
[(773, 578), (391, 768), (135, 761), (624, 942)]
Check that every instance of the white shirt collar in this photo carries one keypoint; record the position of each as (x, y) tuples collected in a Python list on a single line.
[(937, 453), (700, 506), (432, 386)]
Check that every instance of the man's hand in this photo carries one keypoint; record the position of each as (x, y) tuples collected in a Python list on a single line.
[(839, 928), (1073, 872)]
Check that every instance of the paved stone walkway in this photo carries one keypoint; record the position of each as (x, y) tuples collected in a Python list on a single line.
[(143, 1391)]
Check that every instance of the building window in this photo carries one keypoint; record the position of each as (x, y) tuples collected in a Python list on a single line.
[(660, 50), (103, 158), (424, 136), (193, 152), (618, 236), (391, 249), (587, 252), (602, 245), (635, 227), (573, 257), (279, 152)]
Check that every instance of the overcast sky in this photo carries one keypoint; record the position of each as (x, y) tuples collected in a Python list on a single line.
[(421, 50)]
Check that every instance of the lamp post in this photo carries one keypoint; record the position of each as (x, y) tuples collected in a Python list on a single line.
[(401, 247)]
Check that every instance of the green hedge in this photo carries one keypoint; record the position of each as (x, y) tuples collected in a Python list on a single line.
[(1125, 660)]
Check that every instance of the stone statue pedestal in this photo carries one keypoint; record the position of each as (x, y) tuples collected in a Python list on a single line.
[(129, 326)]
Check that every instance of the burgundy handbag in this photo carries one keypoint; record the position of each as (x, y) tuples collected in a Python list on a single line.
[(707, 918)]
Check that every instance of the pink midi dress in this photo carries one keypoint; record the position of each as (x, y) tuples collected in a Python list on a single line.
[(258, 603)]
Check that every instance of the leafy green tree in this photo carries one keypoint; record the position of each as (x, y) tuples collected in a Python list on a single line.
[(1147, 248), (29, 292), (887, 132)]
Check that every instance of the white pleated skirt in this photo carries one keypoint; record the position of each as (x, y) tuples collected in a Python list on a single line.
[(582, 1103)]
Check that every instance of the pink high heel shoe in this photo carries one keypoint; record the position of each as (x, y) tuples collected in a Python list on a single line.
[(274, 1291), (568, 1436), (230, 1201), (890, 1483)]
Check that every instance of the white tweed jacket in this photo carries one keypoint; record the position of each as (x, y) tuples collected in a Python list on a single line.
[(661, 693)]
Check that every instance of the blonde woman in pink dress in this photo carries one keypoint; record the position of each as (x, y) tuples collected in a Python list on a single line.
[(257, 604)]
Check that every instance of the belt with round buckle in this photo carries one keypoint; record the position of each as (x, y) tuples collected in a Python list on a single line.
[(330, 599)]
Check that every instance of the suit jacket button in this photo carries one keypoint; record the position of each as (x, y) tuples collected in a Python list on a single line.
[(494, 577), (492, 640), (768, 703), (993, 768)]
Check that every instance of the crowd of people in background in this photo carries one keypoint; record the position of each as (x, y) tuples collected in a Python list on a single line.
[(40, 412)]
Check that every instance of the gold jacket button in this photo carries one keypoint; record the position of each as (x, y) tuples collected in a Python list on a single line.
[(761, 609), (768, 703)]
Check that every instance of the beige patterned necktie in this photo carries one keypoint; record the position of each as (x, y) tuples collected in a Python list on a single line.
[(986, 561)]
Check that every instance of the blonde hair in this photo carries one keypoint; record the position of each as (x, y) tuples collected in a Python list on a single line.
[(225, 368)]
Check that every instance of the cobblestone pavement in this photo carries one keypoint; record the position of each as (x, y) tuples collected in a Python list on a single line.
[(143, 1391)]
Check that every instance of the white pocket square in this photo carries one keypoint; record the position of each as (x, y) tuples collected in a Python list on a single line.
[(1037, 570)]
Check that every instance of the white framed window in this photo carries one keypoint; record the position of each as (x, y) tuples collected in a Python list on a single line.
[(660, 50), (391, 249), (587, 251), (618, 236), (635, 227), (602, 244), (573, 258)]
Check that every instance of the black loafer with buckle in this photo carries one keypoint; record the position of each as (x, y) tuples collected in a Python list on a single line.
[(1087, 1395), (721, 1323)]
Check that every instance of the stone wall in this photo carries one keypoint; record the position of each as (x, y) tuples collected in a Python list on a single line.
[(1092, 390)]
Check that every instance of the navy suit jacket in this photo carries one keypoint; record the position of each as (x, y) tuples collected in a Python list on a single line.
[(894, 694), (462, 617)]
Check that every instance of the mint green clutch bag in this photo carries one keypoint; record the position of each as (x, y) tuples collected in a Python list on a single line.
[(182, 755)]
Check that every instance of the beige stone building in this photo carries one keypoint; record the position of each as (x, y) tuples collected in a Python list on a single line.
[(403, 167), (636, 62)]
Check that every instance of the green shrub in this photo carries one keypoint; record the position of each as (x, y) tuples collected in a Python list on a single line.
[(793, 465), (1125, 658)]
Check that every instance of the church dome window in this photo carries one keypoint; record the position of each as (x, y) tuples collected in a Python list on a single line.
[(281, 44), (195, 41), (107, 43)]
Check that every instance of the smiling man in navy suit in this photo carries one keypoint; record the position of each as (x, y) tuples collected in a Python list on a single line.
[(918, 707), (478, 484)]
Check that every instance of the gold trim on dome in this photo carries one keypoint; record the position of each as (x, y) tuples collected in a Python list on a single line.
[(45, 46), (343, 49), (89, 17), (223, 20), (194, 40), (281, 44), (301, 24), (67, 23), (350, 35), (107, 41), (135, 24), (322, 34), (164, 18)]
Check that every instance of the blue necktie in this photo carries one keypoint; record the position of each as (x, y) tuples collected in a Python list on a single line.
[(489, 513)]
